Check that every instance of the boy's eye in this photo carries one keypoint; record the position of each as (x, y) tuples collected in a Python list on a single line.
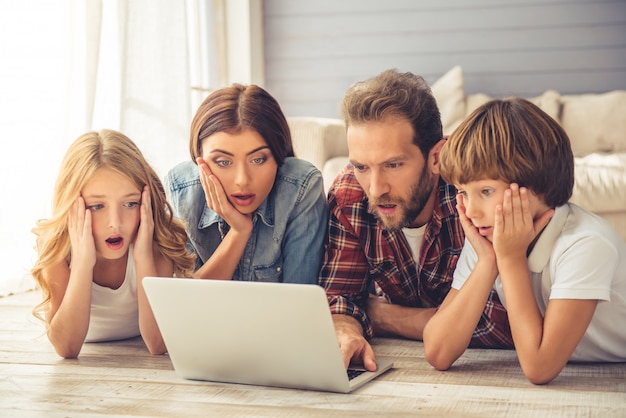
[(462, 193), (487, 192)]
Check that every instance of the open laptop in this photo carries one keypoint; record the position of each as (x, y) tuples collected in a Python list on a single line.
[(270, 334)]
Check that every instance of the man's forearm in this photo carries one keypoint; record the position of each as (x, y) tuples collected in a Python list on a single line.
[(398, 321)]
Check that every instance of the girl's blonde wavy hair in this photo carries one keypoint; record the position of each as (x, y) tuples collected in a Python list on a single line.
[(90, 152)]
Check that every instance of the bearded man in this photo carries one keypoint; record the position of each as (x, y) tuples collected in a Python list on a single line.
[(394, 235)]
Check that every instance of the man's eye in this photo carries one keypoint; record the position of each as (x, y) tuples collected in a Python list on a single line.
[(360, 168), (393, 165), (96, 207)]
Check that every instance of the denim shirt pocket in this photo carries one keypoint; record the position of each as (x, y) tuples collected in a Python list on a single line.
[(272, 273)]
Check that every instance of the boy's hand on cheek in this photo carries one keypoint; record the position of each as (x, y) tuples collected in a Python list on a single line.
[(482, 246), (514, 228)]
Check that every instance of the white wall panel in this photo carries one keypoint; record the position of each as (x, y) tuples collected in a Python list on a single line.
[(315, 49)]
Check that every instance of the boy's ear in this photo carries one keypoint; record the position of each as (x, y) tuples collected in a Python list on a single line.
[(433, 156)]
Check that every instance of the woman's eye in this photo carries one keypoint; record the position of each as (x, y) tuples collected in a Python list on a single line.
[(222, 163), (259, 160)]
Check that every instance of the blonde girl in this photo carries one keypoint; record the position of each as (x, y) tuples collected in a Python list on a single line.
[(111, 226)]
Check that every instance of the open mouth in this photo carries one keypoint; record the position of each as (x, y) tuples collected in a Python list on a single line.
[(243, 199), (115, 242), (386, 209)]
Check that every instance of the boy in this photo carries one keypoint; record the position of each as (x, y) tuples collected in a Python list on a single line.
[(559, 270)]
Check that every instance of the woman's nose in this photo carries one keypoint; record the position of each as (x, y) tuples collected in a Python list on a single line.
[(242, 177)]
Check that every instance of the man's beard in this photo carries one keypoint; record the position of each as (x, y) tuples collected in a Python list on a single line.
[(418, 197)]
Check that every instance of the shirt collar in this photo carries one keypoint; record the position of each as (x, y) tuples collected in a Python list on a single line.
[(541, 252)]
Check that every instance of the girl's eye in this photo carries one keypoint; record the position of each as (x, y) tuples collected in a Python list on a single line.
[(132, 204), (95, 207)]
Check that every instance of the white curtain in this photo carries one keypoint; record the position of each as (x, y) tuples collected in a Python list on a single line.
[(71, 66)]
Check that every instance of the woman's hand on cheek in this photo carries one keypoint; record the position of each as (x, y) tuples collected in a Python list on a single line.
[(218, 201), (83, 247), (145, 232)]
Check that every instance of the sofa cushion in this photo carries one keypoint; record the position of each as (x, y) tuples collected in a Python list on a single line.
[(449, 91), (600, 182), (331, 168), (595, 122), (474, 101), (317, 139), (549, 102)]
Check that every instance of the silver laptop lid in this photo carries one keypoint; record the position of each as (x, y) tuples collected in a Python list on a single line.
[(274, 334)]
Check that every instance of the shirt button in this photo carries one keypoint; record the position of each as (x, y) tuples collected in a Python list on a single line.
[(278, 269)]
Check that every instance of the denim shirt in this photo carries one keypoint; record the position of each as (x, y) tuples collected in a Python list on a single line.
[(288, 230)]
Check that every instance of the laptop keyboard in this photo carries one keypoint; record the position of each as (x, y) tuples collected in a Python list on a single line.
[(352, 373)]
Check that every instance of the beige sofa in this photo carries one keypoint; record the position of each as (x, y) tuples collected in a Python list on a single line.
[(595, 123)]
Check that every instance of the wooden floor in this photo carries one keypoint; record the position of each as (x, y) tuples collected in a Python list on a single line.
[(122, 379)]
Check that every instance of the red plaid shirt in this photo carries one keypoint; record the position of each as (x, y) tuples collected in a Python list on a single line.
[(360, 254)]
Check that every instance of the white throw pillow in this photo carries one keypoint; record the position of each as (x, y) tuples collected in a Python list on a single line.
[(449, 91), (595, 122)]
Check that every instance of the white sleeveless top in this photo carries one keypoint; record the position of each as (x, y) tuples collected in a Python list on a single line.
[(114, 312)]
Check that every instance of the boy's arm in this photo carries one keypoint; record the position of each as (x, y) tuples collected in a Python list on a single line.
[(543, 344), (449, 331)]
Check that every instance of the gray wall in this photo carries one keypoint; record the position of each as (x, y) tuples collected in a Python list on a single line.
[(315, 49)]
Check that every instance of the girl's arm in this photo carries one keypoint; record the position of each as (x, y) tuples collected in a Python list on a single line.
[(448, 333), (223, 262), (70, 289), (148, 262)]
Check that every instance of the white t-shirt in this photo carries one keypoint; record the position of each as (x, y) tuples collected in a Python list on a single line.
[(114, 312), (577, 256), (415, 237)]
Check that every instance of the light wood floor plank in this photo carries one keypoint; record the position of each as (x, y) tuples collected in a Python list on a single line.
[(123, 379)]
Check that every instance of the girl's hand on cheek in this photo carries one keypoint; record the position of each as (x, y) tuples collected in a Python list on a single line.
[(218, 201), (83, 247), (481, 245), (145, 232)]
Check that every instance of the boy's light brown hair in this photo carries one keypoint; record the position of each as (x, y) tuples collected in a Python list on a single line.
[(515, 141)]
